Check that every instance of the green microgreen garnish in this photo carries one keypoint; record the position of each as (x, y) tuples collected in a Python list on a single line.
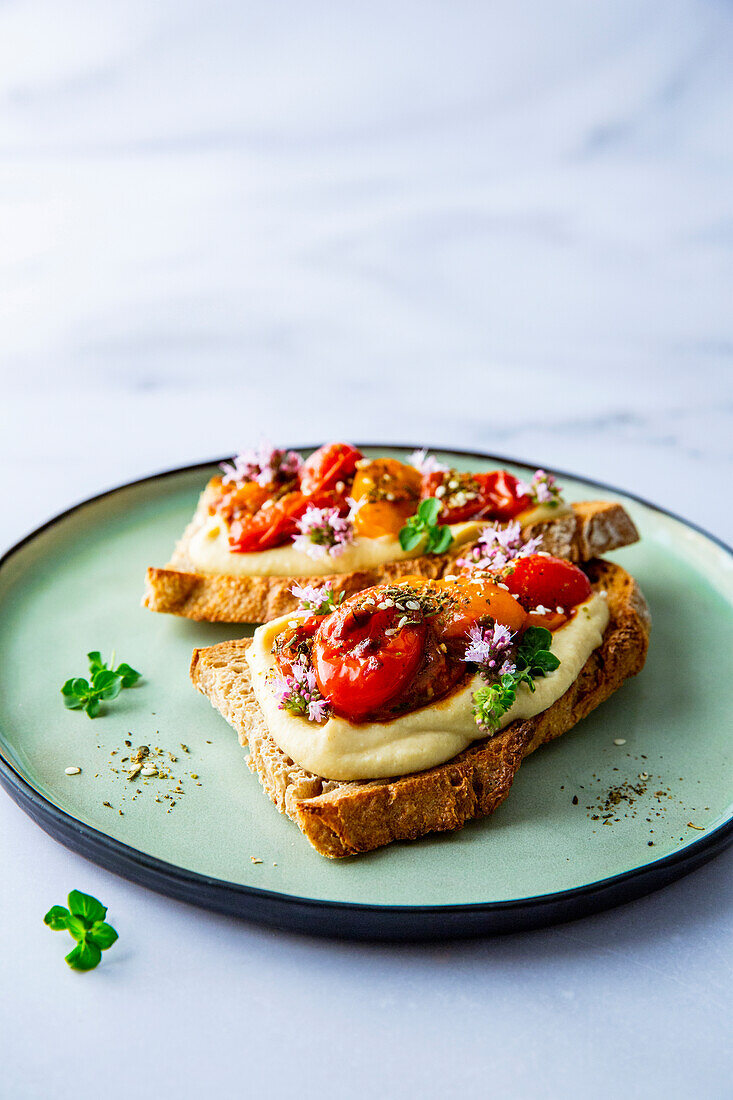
[(103, 683), (533, 659), (425, 523), (84, 921)]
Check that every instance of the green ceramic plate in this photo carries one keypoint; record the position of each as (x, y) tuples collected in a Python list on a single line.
[(588, 823)]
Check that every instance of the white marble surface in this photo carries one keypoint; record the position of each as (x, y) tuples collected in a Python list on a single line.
[(504, 226)]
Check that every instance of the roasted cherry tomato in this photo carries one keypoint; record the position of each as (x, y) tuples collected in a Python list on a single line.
[(234, 501), (359, 668), (474, 599), (276, 523), (503, 499), (382, 517), (474, 496), (540, 580), (288, 644), (459, 494), (388, 493), (326, 467)]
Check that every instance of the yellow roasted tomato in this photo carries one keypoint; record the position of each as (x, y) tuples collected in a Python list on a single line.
[(388, 492), (472, 600)]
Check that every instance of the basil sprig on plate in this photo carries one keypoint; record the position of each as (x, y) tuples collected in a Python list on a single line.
[(424, 525), (84, 921)]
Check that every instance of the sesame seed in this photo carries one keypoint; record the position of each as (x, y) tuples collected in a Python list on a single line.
[(619, 740), (72, 770), (413, 605)]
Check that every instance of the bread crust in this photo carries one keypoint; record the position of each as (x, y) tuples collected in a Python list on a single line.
[(592, 529), (341, 819)]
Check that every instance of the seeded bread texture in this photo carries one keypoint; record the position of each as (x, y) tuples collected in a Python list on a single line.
[(342, 819), (592, 529)]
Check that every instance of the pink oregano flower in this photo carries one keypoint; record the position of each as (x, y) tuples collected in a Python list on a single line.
[(320, 600), (262, 464), (543, 488), (488, 647), (497, 546), (425, 463), (299, 693), (323, 531)]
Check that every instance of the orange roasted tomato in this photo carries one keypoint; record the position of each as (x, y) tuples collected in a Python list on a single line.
[(330, 465), (543, 581), (473, 496), (388, 492), (363, 660), (471, 599), (234, 500)]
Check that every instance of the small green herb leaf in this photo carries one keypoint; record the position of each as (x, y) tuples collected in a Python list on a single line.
[(533, 656), (56, 918), (95, 661), (129, 675), (85, 956), (77, 926), (439, 540), (424, 526), (107, 684), (84, 905), (102, 935), (410, 537), (492, 701), (429, 511)]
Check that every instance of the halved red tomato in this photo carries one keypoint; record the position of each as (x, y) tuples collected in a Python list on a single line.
[(359, 668), (326, 467), (501, 492), (475, 496), (540, 580), (276, 523)]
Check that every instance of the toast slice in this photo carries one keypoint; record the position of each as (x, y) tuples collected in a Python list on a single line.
[(341, 819), (592, 529)]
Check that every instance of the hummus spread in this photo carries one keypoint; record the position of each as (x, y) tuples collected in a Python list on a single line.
[(208, 550), (343, 750)]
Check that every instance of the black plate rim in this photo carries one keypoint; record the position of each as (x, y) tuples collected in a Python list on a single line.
[(356, 920)]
